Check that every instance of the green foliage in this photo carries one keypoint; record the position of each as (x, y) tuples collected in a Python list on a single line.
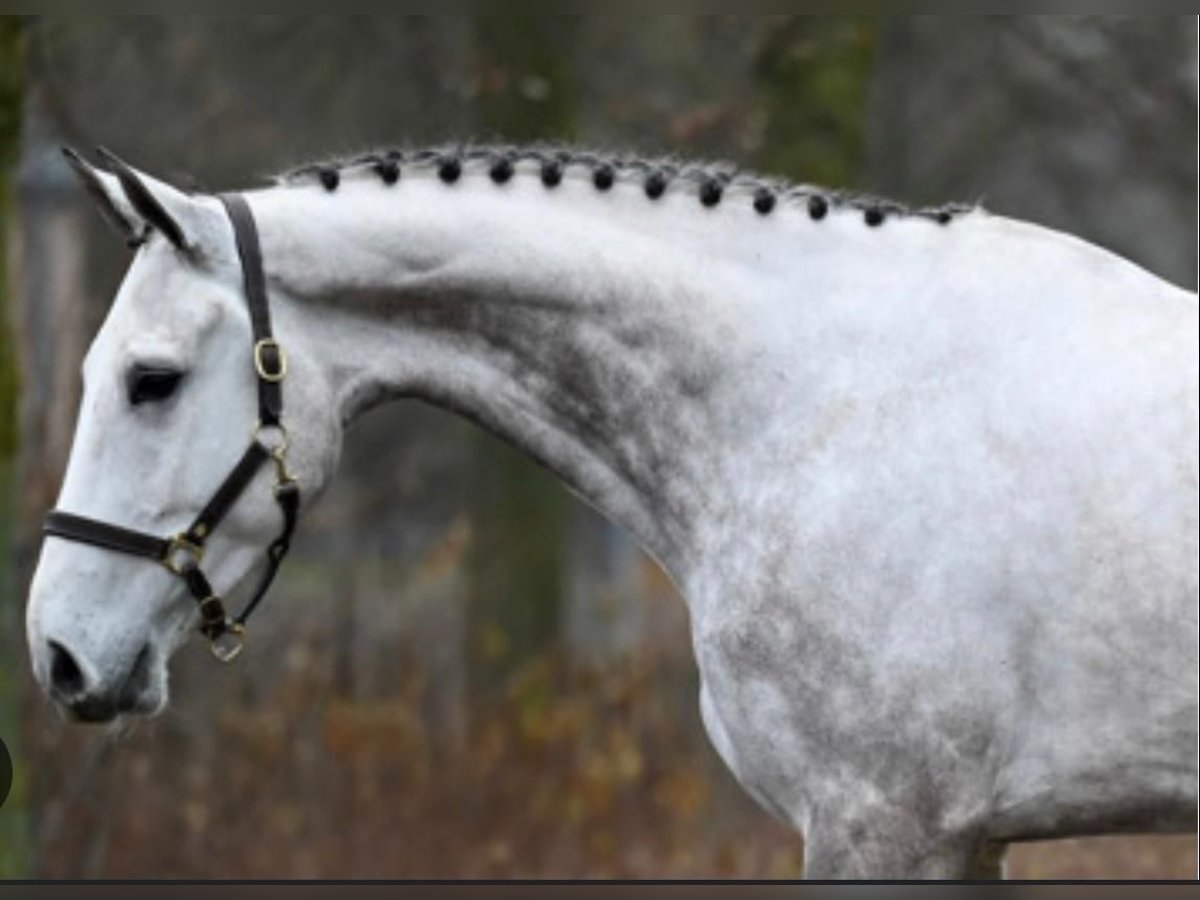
[(813, 74), (523, 76)]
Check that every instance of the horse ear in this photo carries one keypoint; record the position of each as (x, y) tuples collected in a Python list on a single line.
[(106, 190), (137, 204), (159, 205)]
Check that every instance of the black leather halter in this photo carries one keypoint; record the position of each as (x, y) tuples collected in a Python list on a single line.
[(183, 553)]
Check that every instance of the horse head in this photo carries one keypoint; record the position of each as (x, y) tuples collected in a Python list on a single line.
[(168, 404)]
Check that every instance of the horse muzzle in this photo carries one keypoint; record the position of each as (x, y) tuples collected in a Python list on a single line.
[(89, 693)]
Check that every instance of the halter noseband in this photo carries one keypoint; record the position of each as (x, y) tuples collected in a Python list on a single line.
[(183, 553)]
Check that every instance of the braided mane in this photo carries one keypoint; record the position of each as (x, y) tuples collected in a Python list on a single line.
[(708, 181)]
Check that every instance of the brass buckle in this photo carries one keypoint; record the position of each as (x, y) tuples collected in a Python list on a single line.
[(229, 643), (181, 546), (260, 365)]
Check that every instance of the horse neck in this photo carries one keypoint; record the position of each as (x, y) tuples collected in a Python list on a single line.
[(595, 331)]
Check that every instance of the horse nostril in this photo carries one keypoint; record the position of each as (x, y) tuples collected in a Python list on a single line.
[(65, 674)]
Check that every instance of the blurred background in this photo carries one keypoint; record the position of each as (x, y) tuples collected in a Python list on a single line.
[(463, 672)]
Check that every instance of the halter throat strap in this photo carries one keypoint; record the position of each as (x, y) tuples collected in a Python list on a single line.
[(184, 553)]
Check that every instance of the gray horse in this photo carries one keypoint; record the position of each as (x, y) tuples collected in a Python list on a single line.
[(926, 479)]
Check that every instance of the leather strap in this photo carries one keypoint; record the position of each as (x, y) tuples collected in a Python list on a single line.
[(228, 493), (268, 356), (287, 495), (101, 534), (182, 554)]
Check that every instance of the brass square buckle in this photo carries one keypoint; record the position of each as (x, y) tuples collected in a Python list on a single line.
[(260, 363), (181, 552), (225, 638)]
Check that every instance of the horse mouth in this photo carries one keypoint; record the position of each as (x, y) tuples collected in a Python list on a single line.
[(93, 710)]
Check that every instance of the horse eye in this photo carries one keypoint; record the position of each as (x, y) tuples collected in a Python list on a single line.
[(148, 384)]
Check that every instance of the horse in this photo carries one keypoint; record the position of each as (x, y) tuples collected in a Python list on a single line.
[(926, 478)]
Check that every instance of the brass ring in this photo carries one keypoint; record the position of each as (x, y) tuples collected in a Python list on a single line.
[(180, 544), (284, 440)]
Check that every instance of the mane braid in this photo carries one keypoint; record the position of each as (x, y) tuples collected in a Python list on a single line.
[(707, 180)]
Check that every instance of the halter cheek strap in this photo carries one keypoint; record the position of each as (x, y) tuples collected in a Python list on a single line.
[(183, 553)]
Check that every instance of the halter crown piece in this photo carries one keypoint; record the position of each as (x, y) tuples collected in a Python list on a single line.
[(183, 553)]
